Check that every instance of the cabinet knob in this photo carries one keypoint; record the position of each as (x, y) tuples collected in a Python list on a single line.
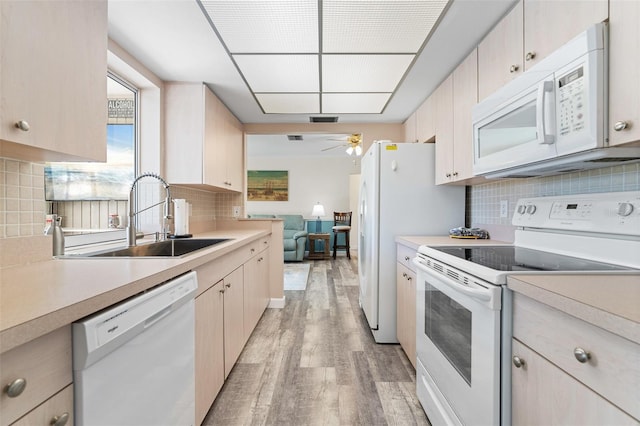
[(409, 278), (581, 355), (221, 291), (23, 125), (448, 175), (513, 68), (404, 274), (455, 173), (252, 250), (16, 387), (518, 362), (60, 420), (407, 258), (227, 285), (529, 56), (620, 126)]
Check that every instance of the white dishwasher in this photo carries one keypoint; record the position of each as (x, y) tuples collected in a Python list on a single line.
[(133, 364)]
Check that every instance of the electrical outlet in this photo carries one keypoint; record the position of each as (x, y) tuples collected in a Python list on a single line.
[(236, 211), (504, 208)]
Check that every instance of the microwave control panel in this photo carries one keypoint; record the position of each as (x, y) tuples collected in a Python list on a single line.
[(571, 101)]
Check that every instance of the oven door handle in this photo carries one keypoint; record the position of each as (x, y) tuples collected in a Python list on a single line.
[(480, 294)]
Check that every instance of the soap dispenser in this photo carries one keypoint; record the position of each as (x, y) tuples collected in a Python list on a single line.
[(58, 236)]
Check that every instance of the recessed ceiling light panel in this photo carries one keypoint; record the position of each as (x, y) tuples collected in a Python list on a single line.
[(363, 73), (280, 73), (280, 26), (354, 103), (289, 103), (399, 26)]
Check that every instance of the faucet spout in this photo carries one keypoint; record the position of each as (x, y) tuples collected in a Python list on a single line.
[(131, 229)]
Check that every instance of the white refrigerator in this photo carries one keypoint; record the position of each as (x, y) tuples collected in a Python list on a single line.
[(398, 197)]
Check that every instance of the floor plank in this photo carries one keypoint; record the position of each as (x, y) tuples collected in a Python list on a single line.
[(315, 362)]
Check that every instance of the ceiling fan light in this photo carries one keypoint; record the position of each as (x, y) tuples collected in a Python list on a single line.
[(358, 150), (350, 150)]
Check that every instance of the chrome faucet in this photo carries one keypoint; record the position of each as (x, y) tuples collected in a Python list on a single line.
[(131, 229)]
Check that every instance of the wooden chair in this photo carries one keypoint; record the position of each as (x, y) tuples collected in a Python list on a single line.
[(341, 225)]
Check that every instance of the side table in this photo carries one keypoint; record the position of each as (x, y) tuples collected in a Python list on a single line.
[(313, 238)]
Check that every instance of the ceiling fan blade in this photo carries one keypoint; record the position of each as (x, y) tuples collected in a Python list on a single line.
[(332, 147)]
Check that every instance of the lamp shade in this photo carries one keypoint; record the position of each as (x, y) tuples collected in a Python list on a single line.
[(318, 210), (350, 150), (358, 150)]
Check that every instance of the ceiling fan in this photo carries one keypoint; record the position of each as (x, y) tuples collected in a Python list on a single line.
[(353, 144)]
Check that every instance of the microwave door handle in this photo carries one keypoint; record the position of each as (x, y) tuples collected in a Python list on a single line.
[(541, 111)]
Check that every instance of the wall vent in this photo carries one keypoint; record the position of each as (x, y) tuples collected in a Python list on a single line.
[(294, 137), (323, 119)]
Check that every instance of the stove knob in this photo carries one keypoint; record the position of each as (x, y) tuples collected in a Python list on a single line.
[(521, 209), (625, 209), (531, 209)]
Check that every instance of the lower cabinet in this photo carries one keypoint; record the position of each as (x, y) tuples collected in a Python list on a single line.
[(56, 411), (256, 290), (233, 318), (209, 356), (406, 301)]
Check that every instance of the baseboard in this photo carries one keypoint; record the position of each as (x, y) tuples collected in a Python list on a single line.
[(277, 303)]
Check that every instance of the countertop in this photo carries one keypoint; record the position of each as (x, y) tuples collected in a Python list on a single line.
[(415, 241), (611, 302), (40, 297)]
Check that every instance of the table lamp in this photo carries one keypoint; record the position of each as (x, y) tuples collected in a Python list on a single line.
[(318, 210)]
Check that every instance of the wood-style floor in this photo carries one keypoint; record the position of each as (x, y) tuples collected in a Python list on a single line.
[(315, 362)]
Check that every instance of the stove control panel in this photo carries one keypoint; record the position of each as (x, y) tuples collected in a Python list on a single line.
[(613, 213)]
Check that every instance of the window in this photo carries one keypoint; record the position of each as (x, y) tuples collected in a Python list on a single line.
[(102, 181)]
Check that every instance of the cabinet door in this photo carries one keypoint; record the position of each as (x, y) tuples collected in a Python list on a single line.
[(406, 311), (624, 71), (410, 128), (401, 298), (465, 96), (214, 147), (209, 356), (234, 154), (444, 131), (550, 24), (55, 409), (544, 394), (500, 54), (425, 120), (54, 70), (233, 318)]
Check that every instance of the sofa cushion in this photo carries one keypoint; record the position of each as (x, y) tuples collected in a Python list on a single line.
[(293, 221), (289, 244)]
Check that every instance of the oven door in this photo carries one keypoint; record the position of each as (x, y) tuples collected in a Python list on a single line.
[(458, 347)]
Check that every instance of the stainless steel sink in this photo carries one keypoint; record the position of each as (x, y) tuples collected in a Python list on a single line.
[(168, 248)]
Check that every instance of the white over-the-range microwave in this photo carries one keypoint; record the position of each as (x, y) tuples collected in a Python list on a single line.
[(553, 118)]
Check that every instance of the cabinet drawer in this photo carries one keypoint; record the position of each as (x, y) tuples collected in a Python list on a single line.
[(405, 255), (54, 409), (45, 364), (613, 369)]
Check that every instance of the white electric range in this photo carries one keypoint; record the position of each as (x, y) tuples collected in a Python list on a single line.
[(464, 311)]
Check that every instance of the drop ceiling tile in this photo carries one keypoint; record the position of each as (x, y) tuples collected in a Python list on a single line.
[(354, 103), (275, 26), (289, 103), (362, 26), (280, 73), (363, 73)]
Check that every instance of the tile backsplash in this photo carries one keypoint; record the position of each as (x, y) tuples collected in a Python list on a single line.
[(484, 200), (22, 205)]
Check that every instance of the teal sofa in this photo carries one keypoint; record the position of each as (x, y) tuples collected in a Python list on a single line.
[(294, 234)]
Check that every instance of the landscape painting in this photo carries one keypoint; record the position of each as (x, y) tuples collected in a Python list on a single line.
[(267, 185)]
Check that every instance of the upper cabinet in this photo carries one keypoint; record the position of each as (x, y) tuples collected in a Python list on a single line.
[(624, 72), (550, 24), (528, 33), (500, 56), (454, 100), (53, 68), (204, 141), (410, 128), (426, 120)]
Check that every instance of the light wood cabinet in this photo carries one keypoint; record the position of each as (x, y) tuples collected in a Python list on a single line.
[(45, 366), (544, 394), (406, 301), (500, 54), (209, 355), (410, 128), (233, 318), (561, 20), (575, 374), (53, 71), (624, 72), (204, 141), (57, 410), (426, 121), (256, 290), (455, 99)]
